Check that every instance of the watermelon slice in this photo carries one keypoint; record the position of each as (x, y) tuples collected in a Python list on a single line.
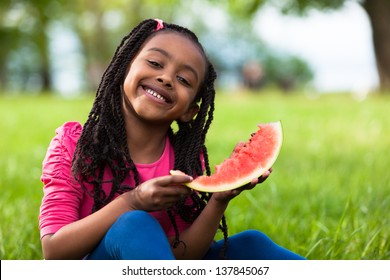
[(248, 161)]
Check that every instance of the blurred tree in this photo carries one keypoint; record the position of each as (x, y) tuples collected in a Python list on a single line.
[(34, 26), (22, 23), (10, 38), (288, 73), (26, 27), (100, 25), (24, 31), (378, 12), (40, 11)]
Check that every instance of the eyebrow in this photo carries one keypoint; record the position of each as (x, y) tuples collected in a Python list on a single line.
[(165, 53)]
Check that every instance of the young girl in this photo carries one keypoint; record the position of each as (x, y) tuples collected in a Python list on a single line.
[(107, 189)]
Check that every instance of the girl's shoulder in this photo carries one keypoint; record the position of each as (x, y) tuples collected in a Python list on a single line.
[(70, 129), (58, 158), (69, 133), (66, 137)]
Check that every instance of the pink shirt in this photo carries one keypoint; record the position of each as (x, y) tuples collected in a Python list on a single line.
[(64, 200)]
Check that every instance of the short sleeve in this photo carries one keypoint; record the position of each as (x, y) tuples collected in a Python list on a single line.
[(61, 195)]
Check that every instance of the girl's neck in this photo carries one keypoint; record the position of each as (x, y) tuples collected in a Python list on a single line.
[(146, 142)]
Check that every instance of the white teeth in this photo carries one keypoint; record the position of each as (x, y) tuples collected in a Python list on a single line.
[(155, 94)]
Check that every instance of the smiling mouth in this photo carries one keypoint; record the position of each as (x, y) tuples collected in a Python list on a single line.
[(156, 95)]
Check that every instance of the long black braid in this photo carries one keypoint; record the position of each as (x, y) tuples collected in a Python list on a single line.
[(103, 142)]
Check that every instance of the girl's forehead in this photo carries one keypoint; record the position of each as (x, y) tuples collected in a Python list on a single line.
[(171, 38), (174, 38), (175, 45)]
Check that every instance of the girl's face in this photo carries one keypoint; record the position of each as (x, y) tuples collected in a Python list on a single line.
[(164, 78)]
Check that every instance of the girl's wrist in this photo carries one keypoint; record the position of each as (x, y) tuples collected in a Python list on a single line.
[(129, 200), (219, 203)]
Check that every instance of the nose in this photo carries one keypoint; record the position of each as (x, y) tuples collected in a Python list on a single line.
[(165, 79)]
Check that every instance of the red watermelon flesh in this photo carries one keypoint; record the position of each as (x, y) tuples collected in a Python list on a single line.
[(248, 161)]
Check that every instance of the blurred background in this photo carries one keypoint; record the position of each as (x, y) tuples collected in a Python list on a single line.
[(321, 67), (62, 47)]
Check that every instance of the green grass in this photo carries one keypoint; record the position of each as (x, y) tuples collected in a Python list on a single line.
[(327, 198)]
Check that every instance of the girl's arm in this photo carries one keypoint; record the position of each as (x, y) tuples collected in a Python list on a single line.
[(76, 240), (200, 235)]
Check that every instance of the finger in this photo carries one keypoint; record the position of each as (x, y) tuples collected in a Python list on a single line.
[(168, 197), (176, 190), (254, 181), (263, 177), (266, 174), (174, 179)]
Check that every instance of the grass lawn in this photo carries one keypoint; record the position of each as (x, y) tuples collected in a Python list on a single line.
[(327, 198)]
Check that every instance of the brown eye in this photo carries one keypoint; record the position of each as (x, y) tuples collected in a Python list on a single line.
[(183, 81), (154, 64)]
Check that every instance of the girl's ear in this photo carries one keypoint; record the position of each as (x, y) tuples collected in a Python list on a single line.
[(191, 112)]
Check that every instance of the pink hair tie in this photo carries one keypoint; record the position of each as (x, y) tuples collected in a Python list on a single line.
[(160, 24)]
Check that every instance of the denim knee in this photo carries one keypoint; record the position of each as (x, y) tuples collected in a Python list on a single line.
[(135, 216), (131, 223), (251, 235), (134, 235), (254, 240)]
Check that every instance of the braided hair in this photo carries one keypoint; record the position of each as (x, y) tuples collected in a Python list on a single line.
[(103, 142)]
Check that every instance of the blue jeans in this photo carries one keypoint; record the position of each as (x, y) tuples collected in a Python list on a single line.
[(136, 235)]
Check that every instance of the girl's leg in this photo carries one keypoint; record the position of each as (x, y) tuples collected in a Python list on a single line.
[(251, 245), (136, 235)]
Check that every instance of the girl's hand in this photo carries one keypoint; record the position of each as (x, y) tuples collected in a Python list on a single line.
[(158, 193), (225, 197)]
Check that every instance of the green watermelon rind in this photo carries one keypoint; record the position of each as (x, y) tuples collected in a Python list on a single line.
[(247, 179)]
